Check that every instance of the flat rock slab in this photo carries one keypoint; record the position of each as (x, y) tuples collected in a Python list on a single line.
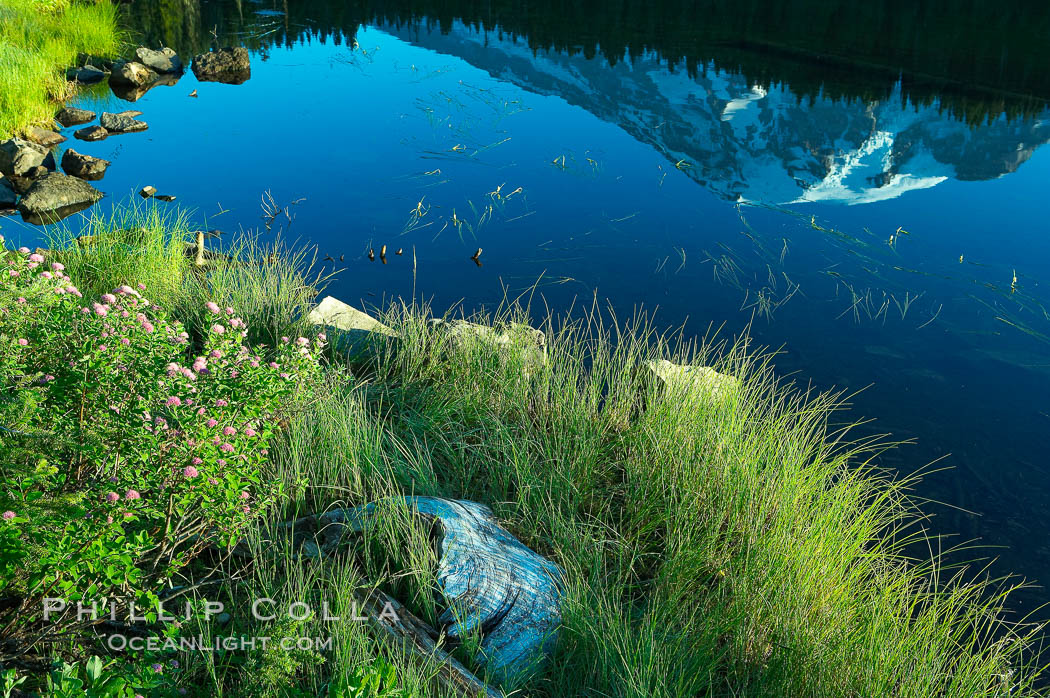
[(701, 381), (55, 196), (91, 133), (44, 136), (163, 61), (332, 312), (71, 116), (19, 156), (227, 65), (533, 341), (84, 166), (120, 123)]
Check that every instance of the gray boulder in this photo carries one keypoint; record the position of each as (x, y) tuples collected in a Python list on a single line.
[(121, 123), (87, 75), (56, 196), (131, 74), (84, 166), (71, 116), (91, 133), (18, 157), (162, 61), (227, 65)]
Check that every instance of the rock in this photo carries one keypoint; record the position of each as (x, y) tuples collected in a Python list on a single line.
[(702, 381), (56, 196), (132, 74), (86, 75), (18, 156), (83, 166), (71, 116), (353, 332), (44, 136), (162, 61), (529, 339), (37, 172), (332, 312), (91, 133), (8, 195), (20, 184), (130, 113), (117, 123), (165, 197), (227, 65), (147, 192)]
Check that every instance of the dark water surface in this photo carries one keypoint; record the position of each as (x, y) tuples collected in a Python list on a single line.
[(862, 185)]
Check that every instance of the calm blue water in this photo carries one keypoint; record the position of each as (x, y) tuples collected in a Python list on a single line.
[(712, 197)]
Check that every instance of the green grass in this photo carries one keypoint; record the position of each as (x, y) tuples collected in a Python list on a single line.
[(738, 547), (271, 286), (39, 39), (742, 547)]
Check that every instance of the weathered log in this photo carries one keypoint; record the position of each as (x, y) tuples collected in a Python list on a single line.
[(493, 586), (411, 634)]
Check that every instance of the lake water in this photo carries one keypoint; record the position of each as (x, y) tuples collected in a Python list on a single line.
[(864, 187)]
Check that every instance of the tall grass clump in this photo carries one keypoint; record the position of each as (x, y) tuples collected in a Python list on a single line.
[(135, 244), (38, 40), (732, 546), (271, 285)]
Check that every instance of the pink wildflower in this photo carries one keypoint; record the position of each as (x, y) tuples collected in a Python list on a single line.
[(226, 448), (189, 471), (229, 431), (131, 494), (196, 460), (174, 401), (212, 422), (212, 307), (8, 515), (221, 403), (23, 250), (23, 342), (58, 266), (112, 497), (218, 329), (36, 258), (109, 298), (250, 432)]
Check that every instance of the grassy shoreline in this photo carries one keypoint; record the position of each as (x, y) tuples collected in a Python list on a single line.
[(738, 546), (39, 39)]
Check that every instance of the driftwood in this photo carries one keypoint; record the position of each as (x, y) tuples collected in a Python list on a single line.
[(411, 634), (492, 585)]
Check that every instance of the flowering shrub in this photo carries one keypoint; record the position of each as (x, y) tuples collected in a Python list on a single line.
[(125, 453)]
